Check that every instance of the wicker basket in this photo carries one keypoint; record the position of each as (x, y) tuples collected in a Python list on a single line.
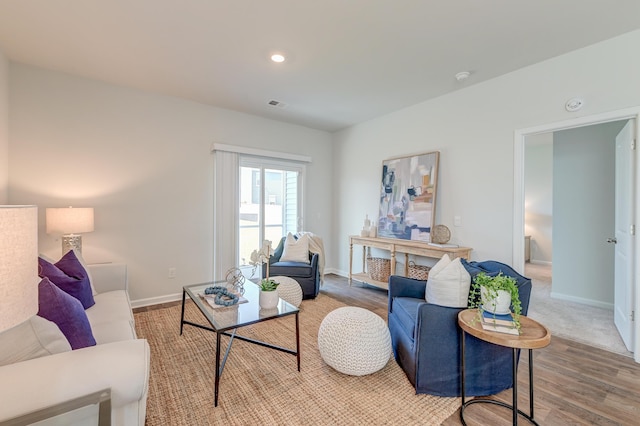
[(419, 272), (379, 268)]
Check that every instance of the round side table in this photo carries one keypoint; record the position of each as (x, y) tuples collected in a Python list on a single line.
[(533, 335)]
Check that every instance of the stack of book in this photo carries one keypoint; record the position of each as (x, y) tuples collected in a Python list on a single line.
[(501, 323), (443, 245)]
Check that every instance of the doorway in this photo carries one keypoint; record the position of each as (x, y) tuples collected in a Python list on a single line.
[(572, 263), (570, 217)]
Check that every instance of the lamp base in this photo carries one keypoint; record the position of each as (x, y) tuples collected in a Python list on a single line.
[(71, 242)]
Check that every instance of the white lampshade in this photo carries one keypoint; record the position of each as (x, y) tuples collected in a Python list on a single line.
[(18, 264), (69, 220)]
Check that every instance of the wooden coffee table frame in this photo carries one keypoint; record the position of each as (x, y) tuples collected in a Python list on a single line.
[(533, 335)]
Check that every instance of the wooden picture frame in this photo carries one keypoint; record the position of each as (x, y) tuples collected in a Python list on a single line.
[(408, 197)]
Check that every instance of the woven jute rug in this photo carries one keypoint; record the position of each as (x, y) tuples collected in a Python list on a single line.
[(261, 386)]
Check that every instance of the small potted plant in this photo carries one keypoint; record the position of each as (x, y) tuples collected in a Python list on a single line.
[(268, 288), (497, 295)]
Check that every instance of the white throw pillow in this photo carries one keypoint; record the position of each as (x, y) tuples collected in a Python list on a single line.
[(296, 250), (33, 338), (448, 284), (439, 267)]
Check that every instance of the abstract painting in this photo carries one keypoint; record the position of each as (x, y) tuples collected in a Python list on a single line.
[(408, 197)]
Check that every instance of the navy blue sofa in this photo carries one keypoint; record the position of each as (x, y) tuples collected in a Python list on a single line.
[(306, 274), (426, 339)]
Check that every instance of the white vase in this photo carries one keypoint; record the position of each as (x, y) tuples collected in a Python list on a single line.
[(269, 299), (499, 305)]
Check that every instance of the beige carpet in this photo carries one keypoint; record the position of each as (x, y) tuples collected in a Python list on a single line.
[(574, 321), (260, 386)]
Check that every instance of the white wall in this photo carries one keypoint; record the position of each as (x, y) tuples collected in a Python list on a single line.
[(538, 182), (4, 129), (584, 213), (473, 129), (144, 162)]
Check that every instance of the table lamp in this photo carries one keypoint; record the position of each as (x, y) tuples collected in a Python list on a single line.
[(18, 264), (70, 221)]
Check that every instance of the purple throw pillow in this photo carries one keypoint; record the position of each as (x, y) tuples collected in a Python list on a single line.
[(69, 274), (66, 312)]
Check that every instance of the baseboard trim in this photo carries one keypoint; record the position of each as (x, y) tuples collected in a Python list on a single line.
[(156, 300), (540, 262), (582, 301), (336, 272)]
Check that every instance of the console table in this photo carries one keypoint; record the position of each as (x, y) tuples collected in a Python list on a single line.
[(393, 246)]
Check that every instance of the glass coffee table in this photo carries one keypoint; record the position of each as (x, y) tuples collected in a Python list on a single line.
[(227, 320)]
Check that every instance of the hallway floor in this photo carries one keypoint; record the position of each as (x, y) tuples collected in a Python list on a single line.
[(581, 323)]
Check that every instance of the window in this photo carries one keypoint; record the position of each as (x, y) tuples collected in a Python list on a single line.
[(269, 203), (258, 194)]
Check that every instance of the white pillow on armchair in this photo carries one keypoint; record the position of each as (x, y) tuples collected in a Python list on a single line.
[(448, 283), (295, 250)]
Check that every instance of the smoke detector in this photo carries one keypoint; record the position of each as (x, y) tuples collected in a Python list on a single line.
[(574, 104), (463, 75)]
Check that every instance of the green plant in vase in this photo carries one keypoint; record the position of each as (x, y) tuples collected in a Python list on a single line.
[(268, 284), (496, 295)]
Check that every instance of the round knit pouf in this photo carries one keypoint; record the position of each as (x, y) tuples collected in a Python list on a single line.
[(289, 290), (354, 341)]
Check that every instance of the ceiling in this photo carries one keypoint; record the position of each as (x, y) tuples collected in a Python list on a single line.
[(348, 61)]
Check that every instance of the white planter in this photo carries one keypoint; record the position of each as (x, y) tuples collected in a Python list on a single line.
[(269, 299), (499, 305)]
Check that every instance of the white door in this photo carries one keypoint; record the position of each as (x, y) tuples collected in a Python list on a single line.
[(623, 298)]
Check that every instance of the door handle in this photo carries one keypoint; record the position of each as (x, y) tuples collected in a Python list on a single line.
[(612, 240)]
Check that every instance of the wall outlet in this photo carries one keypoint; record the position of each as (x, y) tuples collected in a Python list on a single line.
[(172, 272), (457, 221)]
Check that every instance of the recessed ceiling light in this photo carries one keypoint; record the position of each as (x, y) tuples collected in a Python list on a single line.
[(276, 57)]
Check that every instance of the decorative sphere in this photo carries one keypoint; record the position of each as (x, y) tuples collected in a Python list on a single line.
[(235, 279)]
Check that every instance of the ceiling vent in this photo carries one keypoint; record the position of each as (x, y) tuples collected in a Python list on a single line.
[(277, 104)]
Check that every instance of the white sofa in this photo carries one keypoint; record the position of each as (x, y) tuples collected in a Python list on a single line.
[(119, 362)]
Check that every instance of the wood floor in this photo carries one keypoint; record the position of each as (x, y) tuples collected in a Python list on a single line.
[(575, 384)]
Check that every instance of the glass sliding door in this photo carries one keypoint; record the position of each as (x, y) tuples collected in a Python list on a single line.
[(270, 205)]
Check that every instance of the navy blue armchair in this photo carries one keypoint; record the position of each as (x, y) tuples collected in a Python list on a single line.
[(306, 274), (426, 339)]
